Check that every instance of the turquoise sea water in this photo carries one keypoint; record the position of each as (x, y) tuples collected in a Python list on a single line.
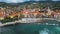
[(30, 29)]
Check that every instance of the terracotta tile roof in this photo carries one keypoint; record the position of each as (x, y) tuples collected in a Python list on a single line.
[(1, 15)]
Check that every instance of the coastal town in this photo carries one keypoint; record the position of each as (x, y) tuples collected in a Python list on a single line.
[(29, 16), (28, 13)]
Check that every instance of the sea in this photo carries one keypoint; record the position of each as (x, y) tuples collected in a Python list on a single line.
[(30, 28)]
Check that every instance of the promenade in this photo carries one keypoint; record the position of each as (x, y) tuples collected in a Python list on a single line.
[(28, 20)]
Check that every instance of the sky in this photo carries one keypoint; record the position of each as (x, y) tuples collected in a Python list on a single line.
[(16, 1)]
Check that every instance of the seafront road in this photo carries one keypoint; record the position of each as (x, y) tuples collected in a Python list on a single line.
[(28, 20)]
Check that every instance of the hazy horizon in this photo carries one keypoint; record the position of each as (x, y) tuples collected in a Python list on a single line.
[(17, 1)]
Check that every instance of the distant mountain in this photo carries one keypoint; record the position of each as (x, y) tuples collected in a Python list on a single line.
[(29, 2), (36, 2)]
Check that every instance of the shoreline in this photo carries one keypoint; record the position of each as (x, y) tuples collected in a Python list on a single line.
[(27, 21)]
